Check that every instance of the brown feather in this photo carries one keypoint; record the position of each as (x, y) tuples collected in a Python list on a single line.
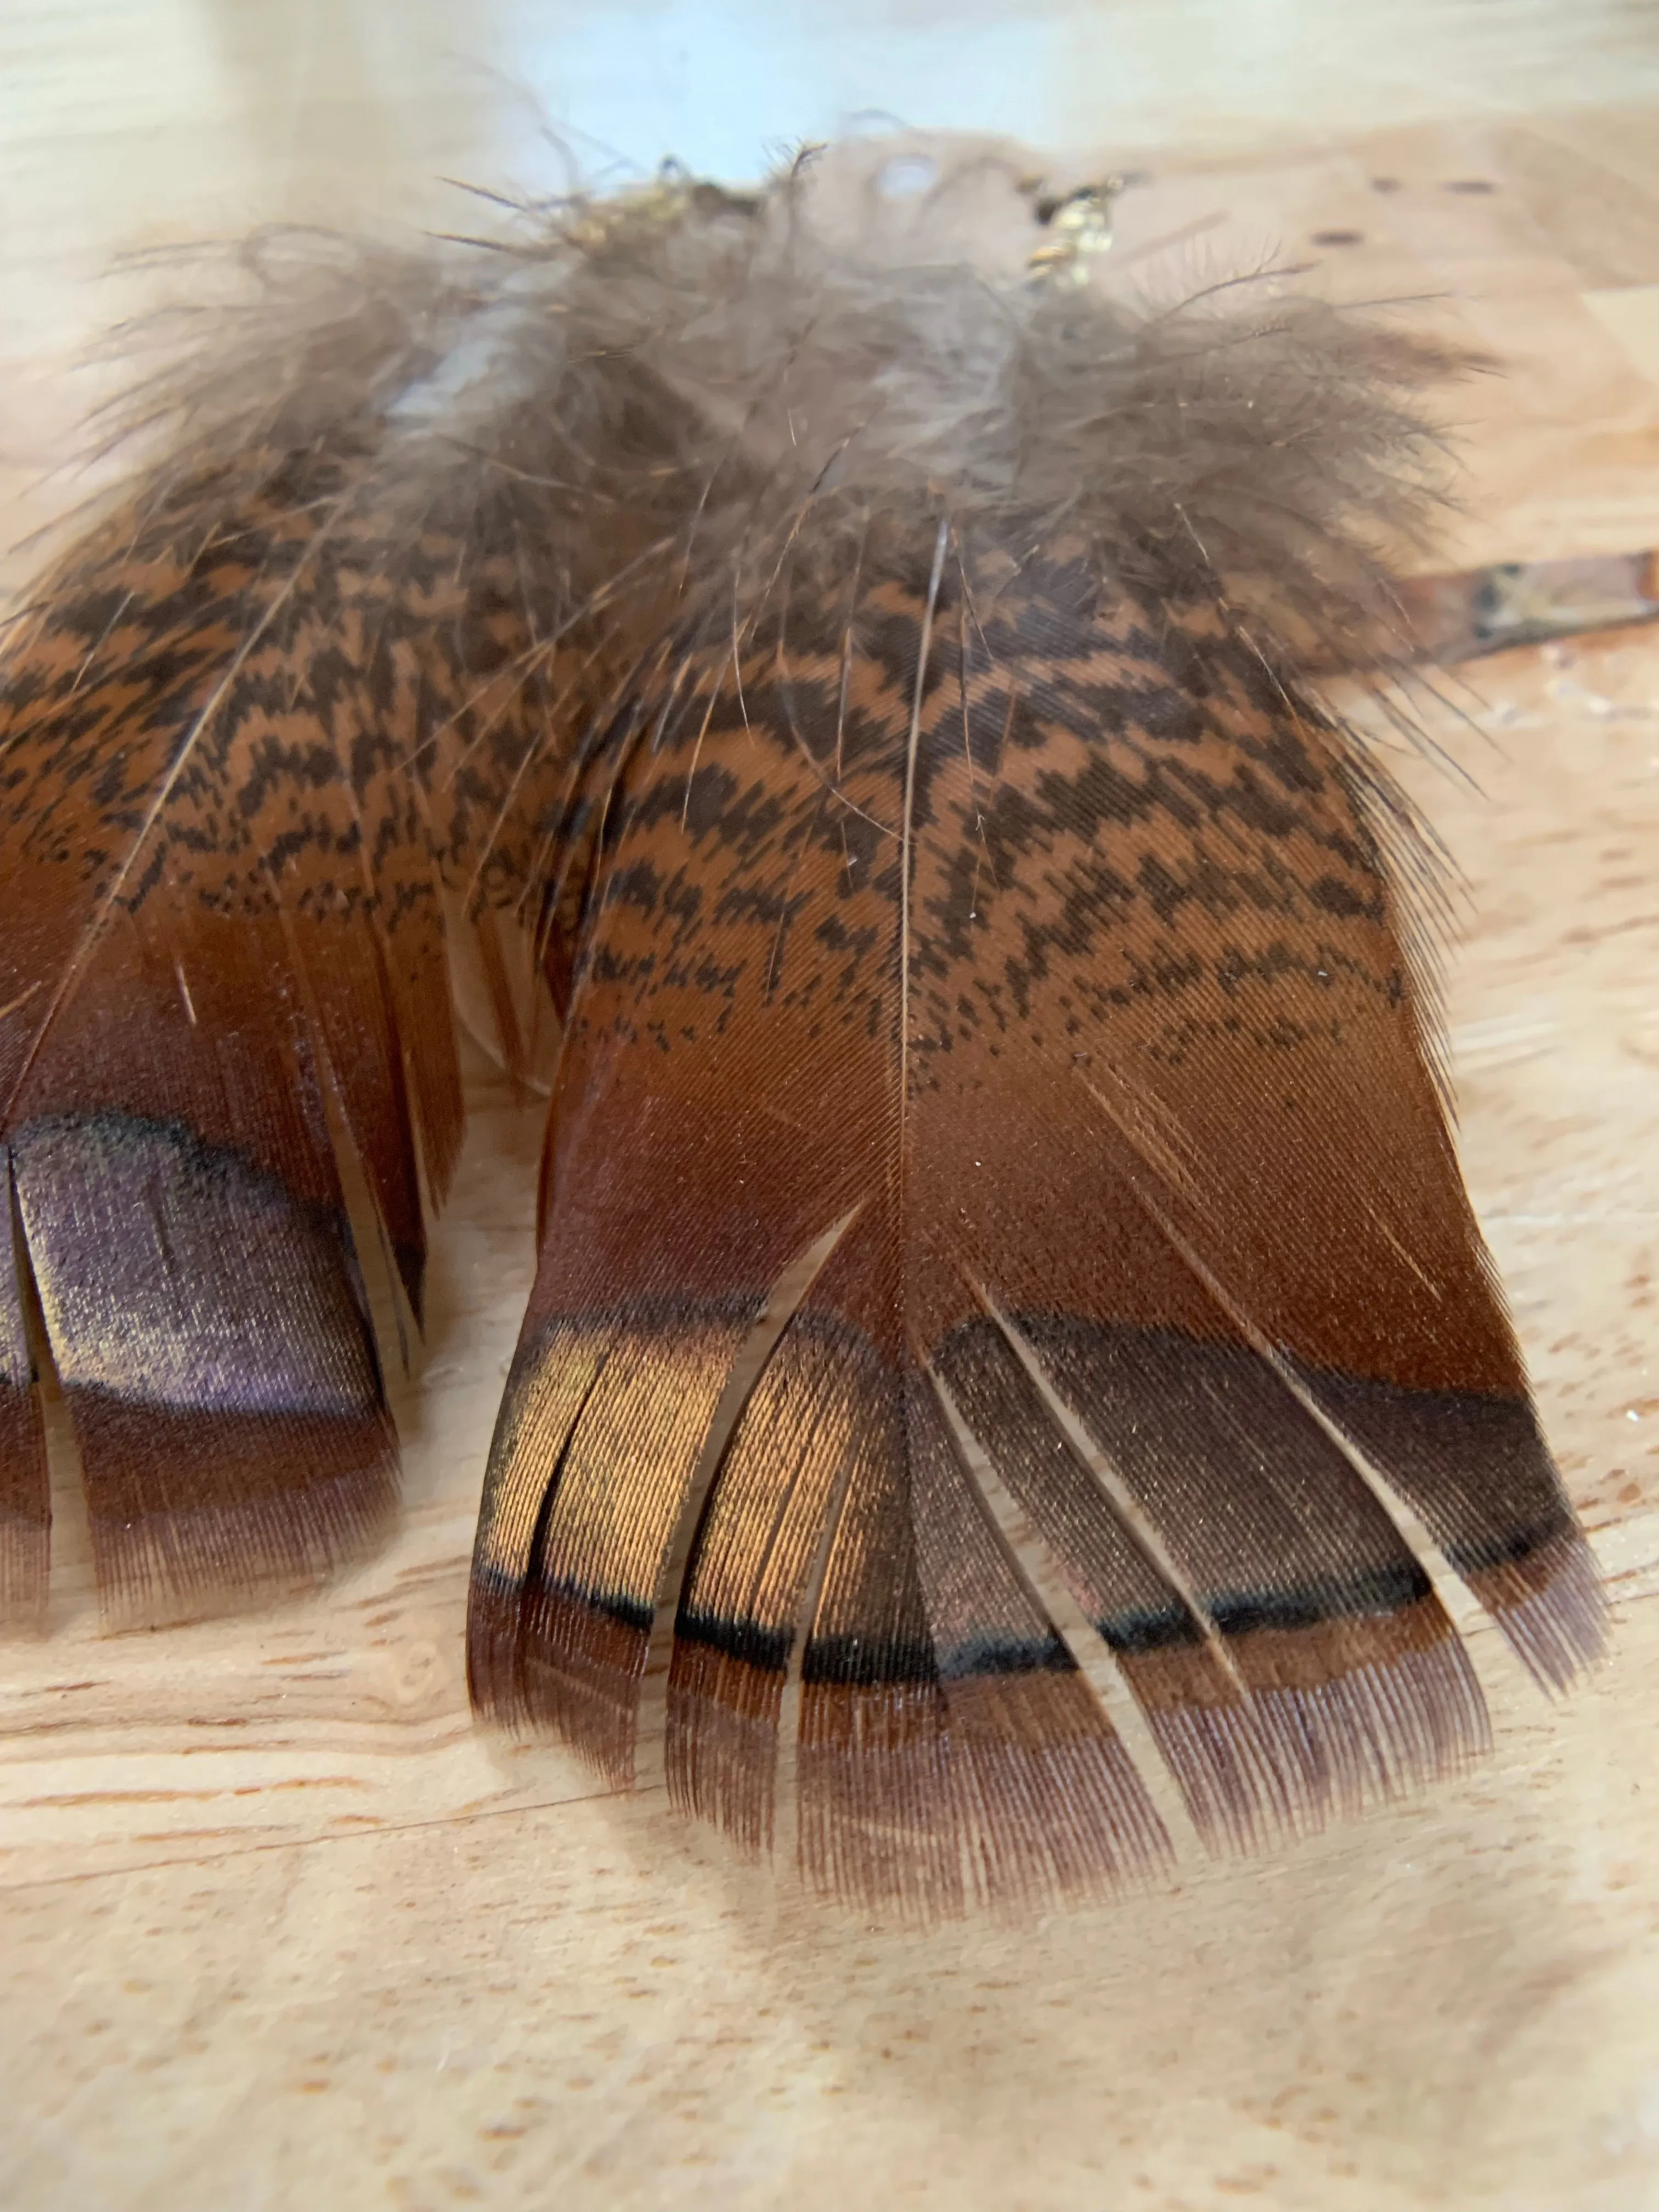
[(990, 1029), (241, 753), (992, 880), (178, 1189)]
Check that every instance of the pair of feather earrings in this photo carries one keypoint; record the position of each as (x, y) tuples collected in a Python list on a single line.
[(996, 1073)]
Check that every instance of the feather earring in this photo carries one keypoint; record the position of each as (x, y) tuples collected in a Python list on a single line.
[(995, 1060)]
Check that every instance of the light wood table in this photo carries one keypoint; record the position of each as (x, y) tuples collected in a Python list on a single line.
[(280, 1929)]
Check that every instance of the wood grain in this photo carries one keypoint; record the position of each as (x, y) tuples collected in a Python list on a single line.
[(281, 1928)]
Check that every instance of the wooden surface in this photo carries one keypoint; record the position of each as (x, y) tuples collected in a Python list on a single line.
[(281, 1930)]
